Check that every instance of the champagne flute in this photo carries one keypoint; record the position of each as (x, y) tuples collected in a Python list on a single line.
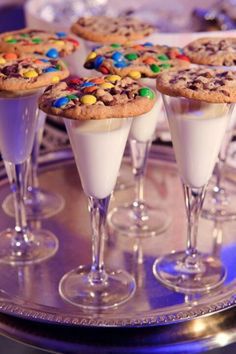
[(18, 124), (219, 202), (138, 219), (196, 147), (98, 147)]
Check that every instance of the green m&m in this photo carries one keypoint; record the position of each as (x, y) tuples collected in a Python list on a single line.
[(155, 68), (131, 56), (146, 92), (36, 40), (115, 45), (162, 57)]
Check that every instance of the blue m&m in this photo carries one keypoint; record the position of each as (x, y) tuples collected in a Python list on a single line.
[(98, 61), (50, 70), (121, 64), (52, 53), (117, 56), (61, 34), (61, 102)]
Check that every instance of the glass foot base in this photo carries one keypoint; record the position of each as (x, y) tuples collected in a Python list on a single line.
[(39, 204), (42, 245), (76, 289), (223, 210), (170, 271), (123, 220)]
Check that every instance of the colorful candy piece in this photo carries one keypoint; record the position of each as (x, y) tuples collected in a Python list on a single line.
[(121, 64), (117, 56), (2, 61), (61, 34), (87, 84), (97, 80), (88, 99), (146, 92), (50, 70), (91, 56), (30, 74), (131, 56), (10, 56), (72, 97), (113, 78), (36, 40), (115, 45), (90, 89), (135, 75), (162, 57), (52, 53), (166, 66), (106, 85), (148, 44), (155, 68), (59, 42), (62, 101), (55, 79), (98, 61), (104, 70)]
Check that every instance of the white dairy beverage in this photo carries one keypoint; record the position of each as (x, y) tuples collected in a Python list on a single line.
[(18, 120), (197, 130), (143, 127), (98, 147)]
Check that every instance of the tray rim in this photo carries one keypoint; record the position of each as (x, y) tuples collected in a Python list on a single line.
[(18, 308)]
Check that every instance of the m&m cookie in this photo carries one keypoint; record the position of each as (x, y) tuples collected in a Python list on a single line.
[(135, 60), (26, 72), (97, 98), (51, 44)]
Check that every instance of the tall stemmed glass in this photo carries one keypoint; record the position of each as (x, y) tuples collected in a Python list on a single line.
[(219, 202), (196, 147), (18, 123), (98, 147), (138, 218)]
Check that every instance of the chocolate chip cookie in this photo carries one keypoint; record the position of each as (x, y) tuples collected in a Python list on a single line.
[(27, 40), (212, 51), (104, 29), (26, 72), (135, 60), (97, 98), (209, 85)]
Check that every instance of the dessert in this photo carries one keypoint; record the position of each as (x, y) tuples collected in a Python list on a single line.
[(135, 60), (28, 40), (26, 72), (105, 29), (212, 51), (97, 98), (209, 85)]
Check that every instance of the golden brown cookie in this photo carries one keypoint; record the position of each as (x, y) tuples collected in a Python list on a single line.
[(27, 72), (135, 60), (27, 40), (97, 98), (104, 29), (209, 85), (212, 51)]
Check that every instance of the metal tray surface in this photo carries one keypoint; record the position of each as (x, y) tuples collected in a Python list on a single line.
[(31, 292)]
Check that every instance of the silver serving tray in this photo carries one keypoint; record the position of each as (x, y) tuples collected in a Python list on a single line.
[(31, 292)]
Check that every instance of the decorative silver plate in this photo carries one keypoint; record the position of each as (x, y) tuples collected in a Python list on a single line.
[(31, 292)]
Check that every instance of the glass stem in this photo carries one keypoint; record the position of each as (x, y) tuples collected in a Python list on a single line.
[(139, 155), (33, 169), (17, 174), (194, 198), (219, 169), (98, 214)]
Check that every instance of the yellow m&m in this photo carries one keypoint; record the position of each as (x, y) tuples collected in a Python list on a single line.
[(113, 78), (135, 75), (30, 74), (2, 61), (59, 42), (91, 56), (88, 99), (55, 79), (106, 85)]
